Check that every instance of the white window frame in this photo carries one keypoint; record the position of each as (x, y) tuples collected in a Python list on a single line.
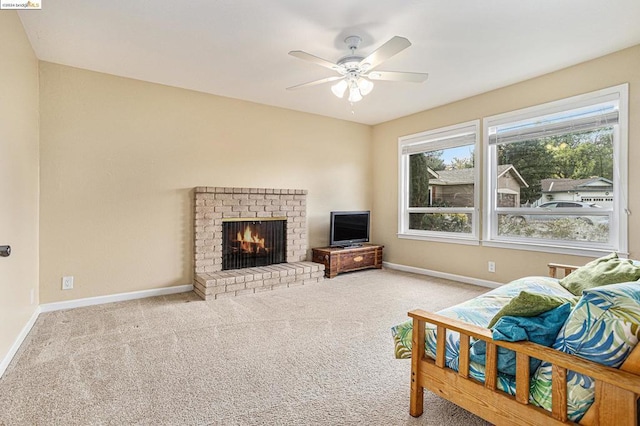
[(438, 137), (618, 220)]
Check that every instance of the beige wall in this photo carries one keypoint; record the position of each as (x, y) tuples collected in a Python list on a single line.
[(617, 68), (18, 179), (120, 157)]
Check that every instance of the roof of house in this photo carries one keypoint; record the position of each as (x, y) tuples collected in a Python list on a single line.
[(453, 177), (467, 176), (568, 185)]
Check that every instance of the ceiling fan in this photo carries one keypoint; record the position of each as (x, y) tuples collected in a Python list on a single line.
[(356, 72)]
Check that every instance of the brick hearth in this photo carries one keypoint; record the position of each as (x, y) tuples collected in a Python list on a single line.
[(213, 205)]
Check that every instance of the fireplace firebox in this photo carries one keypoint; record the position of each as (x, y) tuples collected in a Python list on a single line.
[(251, 243)]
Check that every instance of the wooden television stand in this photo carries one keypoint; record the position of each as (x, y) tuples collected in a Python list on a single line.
[(337, 259)]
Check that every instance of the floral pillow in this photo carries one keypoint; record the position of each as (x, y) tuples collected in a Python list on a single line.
[(604, 327)]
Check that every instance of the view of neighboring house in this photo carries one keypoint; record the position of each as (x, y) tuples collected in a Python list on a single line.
[(592, 190), (454, 188)]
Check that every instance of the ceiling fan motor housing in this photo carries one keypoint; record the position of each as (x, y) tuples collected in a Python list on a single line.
[(352, 62)]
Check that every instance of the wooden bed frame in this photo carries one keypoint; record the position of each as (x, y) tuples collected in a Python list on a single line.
[(617, 390)]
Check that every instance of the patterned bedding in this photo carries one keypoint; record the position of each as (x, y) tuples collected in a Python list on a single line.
[(585, 327)]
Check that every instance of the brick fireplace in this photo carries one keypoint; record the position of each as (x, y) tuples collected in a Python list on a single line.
[(216, 205)]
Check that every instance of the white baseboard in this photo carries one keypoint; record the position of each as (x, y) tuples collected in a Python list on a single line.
[(18, 342), (437, 274), (100, 300)]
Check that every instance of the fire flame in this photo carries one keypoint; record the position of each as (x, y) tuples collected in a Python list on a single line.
[(249, 242)]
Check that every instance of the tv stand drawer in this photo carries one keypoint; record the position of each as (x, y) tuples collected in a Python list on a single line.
[(337, 259)]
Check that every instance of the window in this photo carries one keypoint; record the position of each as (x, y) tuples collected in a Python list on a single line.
[(438, 194), (556, 175)]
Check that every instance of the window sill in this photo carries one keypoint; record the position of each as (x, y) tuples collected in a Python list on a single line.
[(545, 248), (550, 248), (467, 240)]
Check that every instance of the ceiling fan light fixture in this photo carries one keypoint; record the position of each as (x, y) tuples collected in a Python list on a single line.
[(366, 86), (339, 88), (354, 94)]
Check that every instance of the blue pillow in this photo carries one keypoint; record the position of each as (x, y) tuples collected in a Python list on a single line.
[(541, 329)]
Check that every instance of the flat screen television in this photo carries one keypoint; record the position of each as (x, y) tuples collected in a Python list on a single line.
[(349, 229)]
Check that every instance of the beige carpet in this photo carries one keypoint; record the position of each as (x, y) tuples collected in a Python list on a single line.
[(318, 354)]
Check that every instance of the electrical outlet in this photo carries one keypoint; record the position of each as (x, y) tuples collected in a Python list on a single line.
[(492, 266), (67, 283)]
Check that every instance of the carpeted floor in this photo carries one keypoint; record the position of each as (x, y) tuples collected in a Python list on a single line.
[(320, 354)]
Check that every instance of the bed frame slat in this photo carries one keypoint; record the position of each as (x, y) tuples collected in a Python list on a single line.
[(522, 378), (559, 393), (463, 364), (441, 346), (491, 367)]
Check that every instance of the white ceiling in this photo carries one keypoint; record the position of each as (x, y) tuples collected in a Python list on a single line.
[(238, 48)]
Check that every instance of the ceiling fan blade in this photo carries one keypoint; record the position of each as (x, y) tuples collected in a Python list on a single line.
[(392, 47), (311, 58), (316, 82), (412, 77)]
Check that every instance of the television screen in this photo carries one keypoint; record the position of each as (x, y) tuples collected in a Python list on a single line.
[(349, 228)]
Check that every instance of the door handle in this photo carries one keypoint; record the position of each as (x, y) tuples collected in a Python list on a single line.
[(5, 251)]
